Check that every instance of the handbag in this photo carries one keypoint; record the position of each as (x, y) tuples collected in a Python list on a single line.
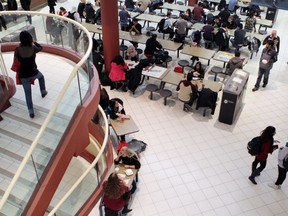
[(16, 65)]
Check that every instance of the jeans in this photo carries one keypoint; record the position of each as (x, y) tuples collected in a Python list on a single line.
[(281, 175), (262, 72), (26, 83), (256, 171)]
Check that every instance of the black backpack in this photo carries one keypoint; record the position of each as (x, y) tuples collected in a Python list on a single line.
[(254, 146), (254, 44), (71, 15), (161, 25)]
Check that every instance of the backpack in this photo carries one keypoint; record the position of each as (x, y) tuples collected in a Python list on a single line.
[(196, 37), (254, 44), (71, 15), (254, 146), (161, 25), (137, 145)]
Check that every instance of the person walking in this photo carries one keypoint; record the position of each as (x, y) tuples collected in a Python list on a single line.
[(282, 172), (267, 59), (12, 6), (267, 147), (26, 54), (25, 4), (51, 4)]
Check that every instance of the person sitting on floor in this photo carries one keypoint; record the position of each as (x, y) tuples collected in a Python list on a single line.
[(117, 72), (233, 63), (198, 71)]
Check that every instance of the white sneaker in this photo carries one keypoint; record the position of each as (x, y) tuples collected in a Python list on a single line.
[(272, 185)]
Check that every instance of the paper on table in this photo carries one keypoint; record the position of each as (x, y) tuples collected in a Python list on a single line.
[(238, 80)]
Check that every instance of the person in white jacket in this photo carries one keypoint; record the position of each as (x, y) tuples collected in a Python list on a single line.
[(282, 154)]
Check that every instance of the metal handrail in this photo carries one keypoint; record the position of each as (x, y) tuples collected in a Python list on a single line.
[(92, 165), (56, 103)]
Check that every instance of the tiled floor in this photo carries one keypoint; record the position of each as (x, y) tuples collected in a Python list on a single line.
[(195, 165)]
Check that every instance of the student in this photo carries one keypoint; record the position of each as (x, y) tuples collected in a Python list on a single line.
[(130, 160), (198, 71), (267, 147), (151, 46), (168, 27), (26, 54), (267, 59), (250, 22), (275, 38), (282, 172), (117, 72), (124, 19), (114, 199), (233, 63), (239, 36)]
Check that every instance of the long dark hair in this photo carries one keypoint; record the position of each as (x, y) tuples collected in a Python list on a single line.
[(268, 133), (118, 60), (113, 187), (25, 38)]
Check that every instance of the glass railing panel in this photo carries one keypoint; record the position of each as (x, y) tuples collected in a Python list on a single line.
[(49, 140)]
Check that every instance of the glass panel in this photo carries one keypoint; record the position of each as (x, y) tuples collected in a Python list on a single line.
[(63, 37)]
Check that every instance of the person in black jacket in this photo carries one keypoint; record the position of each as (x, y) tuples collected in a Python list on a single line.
[(25, 4), (130, 160), (151, 46), (90, 12), (12, 6), (51, 4), (239, 36), (2, 20)]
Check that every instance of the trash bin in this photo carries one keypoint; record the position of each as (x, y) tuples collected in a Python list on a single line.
[(233, 94), (271, 14)]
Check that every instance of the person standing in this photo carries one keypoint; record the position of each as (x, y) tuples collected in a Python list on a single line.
[(51, 4), (25, 4), (2, 20), (26, 54), (275, 38), (267, 59), (282, 172), (266, 148), (90, 12), (12, 6)]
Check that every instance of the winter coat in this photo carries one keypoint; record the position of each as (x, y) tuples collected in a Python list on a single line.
[(117, 72), (235, 62)]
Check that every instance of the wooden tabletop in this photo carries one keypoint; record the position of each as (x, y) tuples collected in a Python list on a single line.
[(124, 127), (149, 17), (200, 52), (264, 22), (176, 7), (156, 72), (120, 170), (198, 26), (169, 45), (92, 27), (174, 79)]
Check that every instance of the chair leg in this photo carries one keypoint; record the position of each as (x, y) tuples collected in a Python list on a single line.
[(165, 101), (204, 112)]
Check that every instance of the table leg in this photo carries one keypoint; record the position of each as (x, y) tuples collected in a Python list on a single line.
[(208, 61), (144, 23), (142, 80), (215, 77)]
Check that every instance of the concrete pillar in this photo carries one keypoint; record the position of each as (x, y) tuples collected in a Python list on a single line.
[(110, 30)]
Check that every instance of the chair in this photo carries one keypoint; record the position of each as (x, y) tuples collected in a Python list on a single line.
[(180, 2), (169, 59), (151, 88), (165, 93), (139, 52), (183, 64), (216, 70), (161, 14)]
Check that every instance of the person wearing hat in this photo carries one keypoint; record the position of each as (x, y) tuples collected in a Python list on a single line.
[(282, 172)]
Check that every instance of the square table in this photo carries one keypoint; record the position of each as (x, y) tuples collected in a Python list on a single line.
[(120, 170), (199, 52), (226, 56), (124, 127)]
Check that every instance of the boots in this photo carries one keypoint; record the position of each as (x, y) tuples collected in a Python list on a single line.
[(255, 173)]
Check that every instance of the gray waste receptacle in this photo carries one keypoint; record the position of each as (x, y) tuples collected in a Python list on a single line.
[(233, 94)]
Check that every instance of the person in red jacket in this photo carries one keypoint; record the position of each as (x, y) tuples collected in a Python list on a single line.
[(267, 147), (115, 199)]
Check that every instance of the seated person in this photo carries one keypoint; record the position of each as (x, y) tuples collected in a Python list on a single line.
[(130, 160), (135, 28), (181, 28), (239, 36), (168, 27), (117, 72), (222, 37), (151, 46), (208, 33), (143, 5), (231, 23), (198, 71), (116, 109), (62, 11), (233, 63), (129, 4), (116, 195), (216, 22), (224, 15), (131, 54), (198, 13), (187, 91)]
